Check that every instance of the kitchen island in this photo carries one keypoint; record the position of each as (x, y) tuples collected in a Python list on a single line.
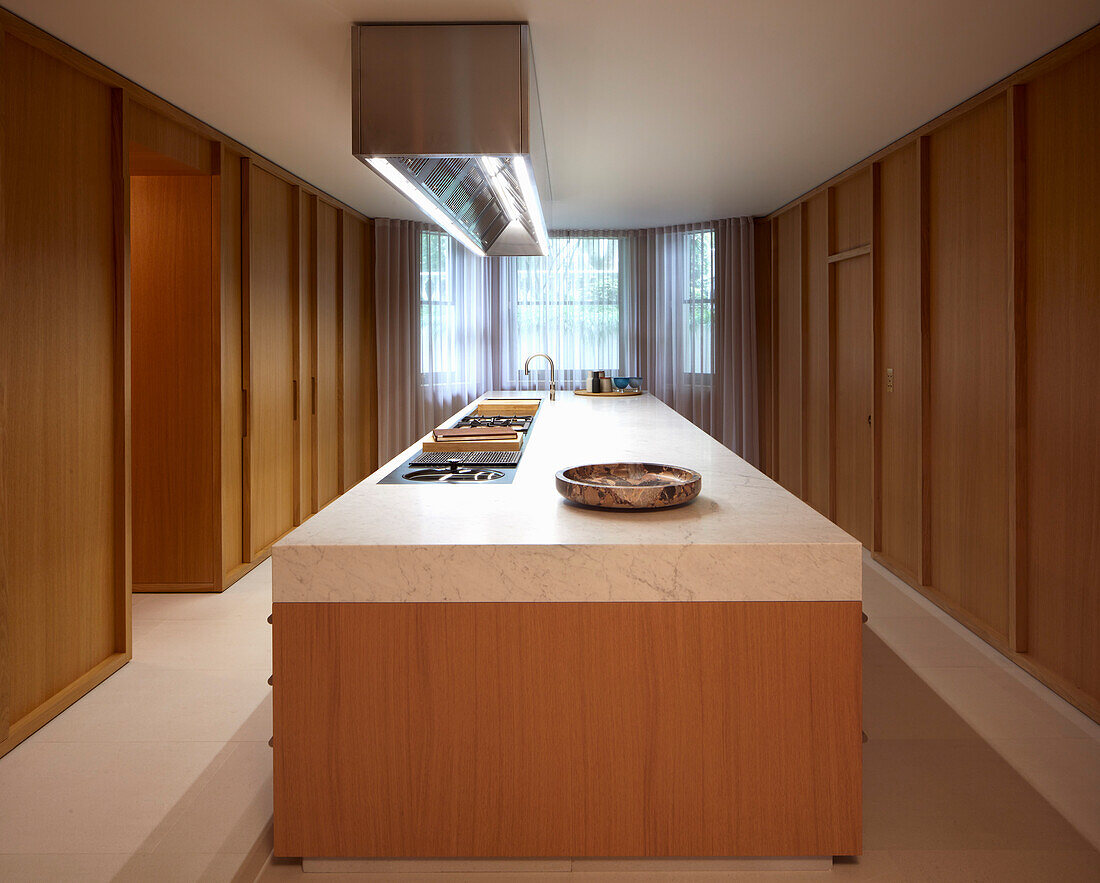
[(483, 671)]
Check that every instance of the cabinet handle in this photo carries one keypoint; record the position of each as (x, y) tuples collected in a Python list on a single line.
[(313, 396), (295, 382)]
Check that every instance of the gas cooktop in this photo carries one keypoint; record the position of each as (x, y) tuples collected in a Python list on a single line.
[(481, 467)]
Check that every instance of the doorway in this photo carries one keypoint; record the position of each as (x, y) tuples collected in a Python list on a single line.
[(174, 394)]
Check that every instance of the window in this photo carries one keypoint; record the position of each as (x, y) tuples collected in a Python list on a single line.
[(570, 302), (697, 302), (438, 317)]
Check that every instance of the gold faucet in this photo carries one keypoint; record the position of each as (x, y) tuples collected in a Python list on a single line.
[(527, 370)]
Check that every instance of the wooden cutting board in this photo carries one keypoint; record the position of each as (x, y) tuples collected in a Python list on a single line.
[(507, 407)]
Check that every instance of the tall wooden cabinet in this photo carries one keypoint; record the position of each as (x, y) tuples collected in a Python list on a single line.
[(271, 397), (963, 316), (64, 388), (174, 326)]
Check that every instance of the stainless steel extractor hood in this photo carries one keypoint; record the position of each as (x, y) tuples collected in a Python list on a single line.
[(443, 112)]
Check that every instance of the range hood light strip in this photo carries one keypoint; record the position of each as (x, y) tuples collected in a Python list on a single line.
[(386, 169), (492, 168), (531, 200)]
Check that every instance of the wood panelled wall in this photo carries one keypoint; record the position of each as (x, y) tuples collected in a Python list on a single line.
[(221, 301), (928, 325)]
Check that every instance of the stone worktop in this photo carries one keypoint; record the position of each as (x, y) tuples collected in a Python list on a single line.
[(744, 539)]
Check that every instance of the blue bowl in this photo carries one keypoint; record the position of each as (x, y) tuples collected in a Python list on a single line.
[(635, 382), (621, 382)]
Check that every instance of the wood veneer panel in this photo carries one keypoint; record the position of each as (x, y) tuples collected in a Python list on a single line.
[(234, 554), (788, 355), (357, 455), (326, 357), (762, 245), (173, 388), (970, 314), (1063, 358), (613, 729), (815, 373), (272, 301), (78, 61), (852, 212), (303, 370), (901, 351), (59, 449), (1083, 42), (160, 146), (854, 360)]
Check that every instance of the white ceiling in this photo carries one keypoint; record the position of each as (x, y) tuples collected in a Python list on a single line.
[(655, 111)]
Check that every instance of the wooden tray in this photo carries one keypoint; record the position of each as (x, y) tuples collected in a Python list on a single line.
[(625, 392)]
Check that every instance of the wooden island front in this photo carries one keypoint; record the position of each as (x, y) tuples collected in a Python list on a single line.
[(488, 673)]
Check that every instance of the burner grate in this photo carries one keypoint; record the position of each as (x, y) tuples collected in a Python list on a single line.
[(468, 458)]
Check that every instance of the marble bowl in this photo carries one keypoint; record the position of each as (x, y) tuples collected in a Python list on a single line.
[(629, 485)]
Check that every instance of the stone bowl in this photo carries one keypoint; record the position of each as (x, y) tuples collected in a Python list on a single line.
[(629, 485)]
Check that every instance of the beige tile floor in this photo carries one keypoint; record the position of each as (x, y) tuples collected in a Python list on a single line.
[(972, 772)]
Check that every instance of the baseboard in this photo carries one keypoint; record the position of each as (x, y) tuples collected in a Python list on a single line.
[(1082, 701), (160, 588), (52, 707), (241, 569)]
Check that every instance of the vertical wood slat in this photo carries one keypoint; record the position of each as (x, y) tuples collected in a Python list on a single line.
[(341, 479), (313, 343), (120, 191), (804, 387), (830, 213), (369, 333), (296, 335), (775, 349), (877, 369), (246, 358), (1017, 381), (5, 629), (216, 358), (925, 574)]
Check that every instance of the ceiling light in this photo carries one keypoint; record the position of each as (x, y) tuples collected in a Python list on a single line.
[(388, 171), (531, 200), (493, 169)]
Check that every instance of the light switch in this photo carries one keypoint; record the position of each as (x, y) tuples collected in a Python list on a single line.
[(889, 379)]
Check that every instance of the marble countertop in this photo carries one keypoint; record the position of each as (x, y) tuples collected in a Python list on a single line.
[(744, 538)]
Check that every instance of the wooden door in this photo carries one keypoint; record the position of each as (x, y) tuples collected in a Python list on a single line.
[(272, 302), (325, 361), (854, 356)]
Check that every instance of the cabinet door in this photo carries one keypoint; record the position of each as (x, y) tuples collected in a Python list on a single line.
[(854, 399), (327, 382), (272, 298)]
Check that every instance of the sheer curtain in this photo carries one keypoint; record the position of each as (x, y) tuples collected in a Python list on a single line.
[(397, 269), (576, 305), (457, 356), (696, 320), (674, 305)]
